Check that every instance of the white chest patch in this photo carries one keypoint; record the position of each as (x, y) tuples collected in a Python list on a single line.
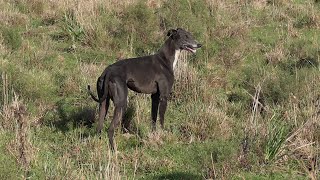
[(176, 57)]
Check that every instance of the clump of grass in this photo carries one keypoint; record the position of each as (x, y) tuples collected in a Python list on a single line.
[(306, 20), (277, 134), (72, 27), (11, 38), (33, 6), (11, 17)]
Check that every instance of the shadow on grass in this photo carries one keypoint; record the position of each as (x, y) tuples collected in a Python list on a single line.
[(177, 176), (130, 126), (69, 116)]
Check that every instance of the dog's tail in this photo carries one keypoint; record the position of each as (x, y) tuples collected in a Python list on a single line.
[(102, 88), (92, 95), (105, 85)]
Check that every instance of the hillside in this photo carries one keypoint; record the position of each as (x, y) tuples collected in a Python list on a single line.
[(245, 106)]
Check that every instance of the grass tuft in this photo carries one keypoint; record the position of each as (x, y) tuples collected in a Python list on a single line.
[(11, 38)]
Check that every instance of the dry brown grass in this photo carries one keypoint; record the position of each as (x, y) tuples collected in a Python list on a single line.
[(205, 122), (3, 49), (185, 79), (86, 12), (21, 147), (200, 118), (7, 113), (99, 163), (89, 71), (304, 148), (10, 16), (277, 54)]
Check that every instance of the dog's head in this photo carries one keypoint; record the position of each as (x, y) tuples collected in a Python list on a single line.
[(184, 40)]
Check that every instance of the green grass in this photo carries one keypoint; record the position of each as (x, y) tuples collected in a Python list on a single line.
[(50, 52), (9, 169), (12, 38), (277, 135)]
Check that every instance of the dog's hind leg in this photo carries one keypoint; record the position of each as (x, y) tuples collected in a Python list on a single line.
[(103, 110), (154, 109), (119, 92)]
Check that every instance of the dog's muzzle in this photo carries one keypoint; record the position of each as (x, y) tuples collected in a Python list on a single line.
[(192, 48)]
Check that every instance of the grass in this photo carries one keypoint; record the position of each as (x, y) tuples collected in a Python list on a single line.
[(277, 134), (12, 38), (244, 107)]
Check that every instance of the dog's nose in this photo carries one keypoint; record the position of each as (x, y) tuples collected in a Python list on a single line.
[(199, 45)]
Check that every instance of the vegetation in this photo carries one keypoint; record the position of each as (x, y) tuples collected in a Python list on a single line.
[(246, 106)]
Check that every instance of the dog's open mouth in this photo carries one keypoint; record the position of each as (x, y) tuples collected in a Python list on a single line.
[(191, 49)]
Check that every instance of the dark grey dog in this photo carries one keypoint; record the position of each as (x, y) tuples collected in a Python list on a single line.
[(148, 74)]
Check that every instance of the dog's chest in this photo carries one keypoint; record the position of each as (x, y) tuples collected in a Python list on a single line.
[(176, 57)]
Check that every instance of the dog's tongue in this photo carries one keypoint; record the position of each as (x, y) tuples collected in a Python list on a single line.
[(191, 50)]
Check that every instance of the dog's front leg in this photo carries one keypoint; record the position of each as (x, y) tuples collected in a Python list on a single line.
[(154, 109), (162, 109), (164, 87)]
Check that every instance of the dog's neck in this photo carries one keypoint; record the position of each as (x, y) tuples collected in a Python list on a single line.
[(169, 53)]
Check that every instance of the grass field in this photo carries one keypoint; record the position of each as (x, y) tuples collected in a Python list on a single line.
[(246, 106)]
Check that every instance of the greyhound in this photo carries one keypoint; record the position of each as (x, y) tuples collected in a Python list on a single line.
[(151, 74)]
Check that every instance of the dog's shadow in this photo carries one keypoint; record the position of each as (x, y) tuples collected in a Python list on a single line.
[(126, 124), (129, 124), (69, 116)]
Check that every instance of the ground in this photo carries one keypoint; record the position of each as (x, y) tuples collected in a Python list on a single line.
[(245, 106)]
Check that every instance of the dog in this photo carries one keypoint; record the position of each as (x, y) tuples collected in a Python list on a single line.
[(151, 74)]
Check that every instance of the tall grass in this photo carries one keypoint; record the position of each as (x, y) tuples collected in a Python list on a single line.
[(244, 106)]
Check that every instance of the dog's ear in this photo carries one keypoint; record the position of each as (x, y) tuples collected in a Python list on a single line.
[(171, 32)]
